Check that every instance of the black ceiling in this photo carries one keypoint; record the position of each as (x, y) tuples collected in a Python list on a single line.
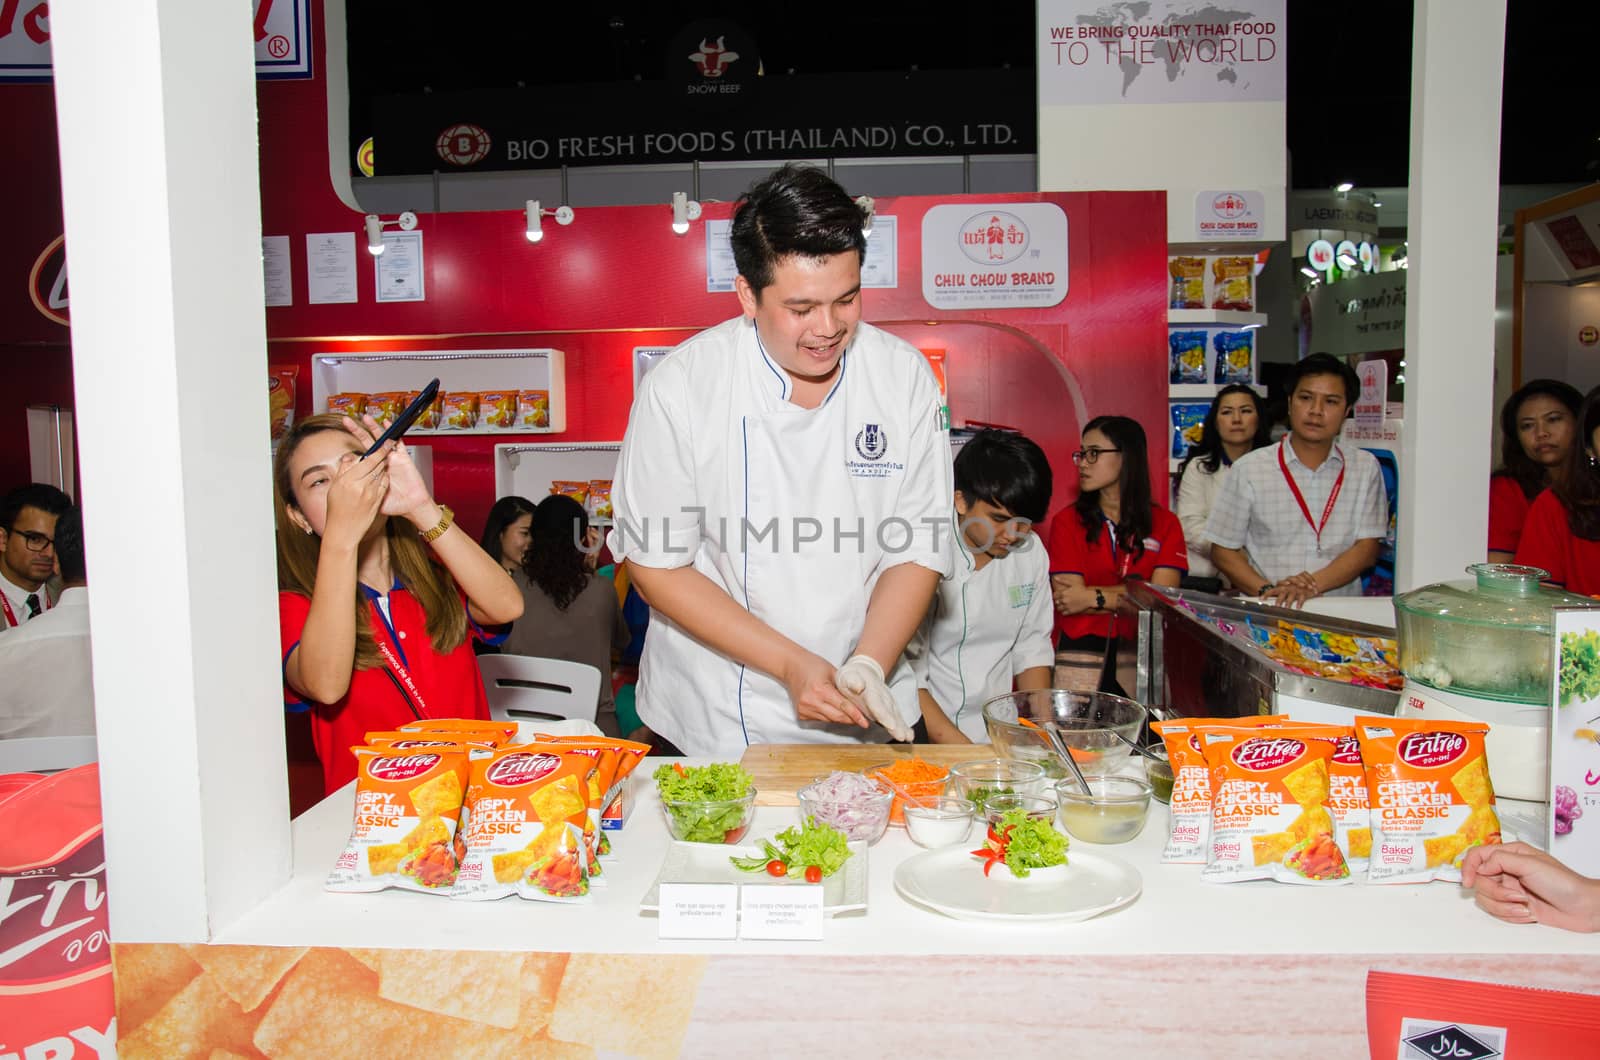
[(1349, 64)]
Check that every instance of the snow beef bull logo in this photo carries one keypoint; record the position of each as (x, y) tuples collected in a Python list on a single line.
[(994, 238), (713, 60), (463, 144)]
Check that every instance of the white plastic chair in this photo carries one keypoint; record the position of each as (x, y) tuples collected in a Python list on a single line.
[(525, 686), (47, 754)]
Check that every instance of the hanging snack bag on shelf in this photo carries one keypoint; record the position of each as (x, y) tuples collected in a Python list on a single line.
[(578, 491), (498, 408), (1432, 800), (459, 411), (1233, 283), (1269, 806), (386, 407), (1188, 421), (599, 502), (1187, 350), (533, 409), (348, 404), (1235, 354), (1188, 283), (280, 399), (428, 419)]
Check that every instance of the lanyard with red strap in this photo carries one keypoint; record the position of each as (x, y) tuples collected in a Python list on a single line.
[(397, 670), (1305, 510), (11, 616)]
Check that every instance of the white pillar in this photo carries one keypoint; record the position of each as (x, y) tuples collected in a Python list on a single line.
[(156, 108), (1458, 49)]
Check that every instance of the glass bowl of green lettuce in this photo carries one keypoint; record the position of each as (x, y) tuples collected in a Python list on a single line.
[(707, 804)]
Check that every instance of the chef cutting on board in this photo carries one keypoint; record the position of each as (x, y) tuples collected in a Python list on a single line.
[(782, 497)]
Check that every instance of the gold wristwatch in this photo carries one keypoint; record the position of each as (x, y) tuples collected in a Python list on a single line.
[(446, 517)]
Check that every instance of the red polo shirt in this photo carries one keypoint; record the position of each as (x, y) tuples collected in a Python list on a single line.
[(1102, 563), (1548, 542), (1508, 510), (450, 684)]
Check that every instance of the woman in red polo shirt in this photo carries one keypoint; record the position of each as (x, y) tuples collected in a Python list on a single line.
[(1111, 534), (1538, 436), (1562, 532), (379, 590)]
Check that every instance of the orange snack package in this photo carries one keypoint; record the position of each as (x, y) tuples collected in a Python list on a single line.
[(1189, 834), (1269, 814), (599, 502), (499, 408), (1347, 800), (1234, 280), (428, 418), (459, 412), (280, 399), (526, 811), (410, 741), (1188, 283), (533, 408), (578, 491), (618, 760), (501, 732), (387, 406), (1432, 799), (352, 405), (407, 805)]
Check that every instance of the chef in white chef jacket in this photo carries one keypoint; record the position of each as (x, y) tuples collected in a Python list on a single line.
[(991, 619), (782, 497)]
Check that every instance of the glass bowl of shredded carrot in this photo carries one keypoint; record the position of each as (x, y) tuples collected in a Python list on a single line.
[(910, 778)]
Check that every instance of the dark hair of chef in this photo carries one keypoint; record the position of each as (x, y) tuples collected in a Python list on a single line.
[(1007, 470), (1134, 520), (797, 210)]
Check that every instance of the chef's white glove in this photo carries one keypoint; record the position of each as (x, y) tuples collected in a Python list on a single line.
[(861, 680)]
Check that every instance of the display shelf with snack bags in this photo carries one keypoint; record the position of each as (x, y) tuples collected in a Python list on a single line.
[(480, 391), (580, 470)]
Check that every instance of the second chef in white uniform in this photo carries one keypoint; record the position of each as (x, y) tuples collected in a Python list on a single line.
[(991, 620), (783, 495)]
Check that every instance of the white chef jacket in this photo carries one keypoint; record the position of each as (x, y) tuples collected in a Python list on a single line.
[(794, 512), (46, 686), (985, 627)]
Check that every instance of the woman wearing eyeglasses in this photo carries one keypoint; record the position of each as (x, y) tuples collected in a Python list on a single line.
[(1111, 534)]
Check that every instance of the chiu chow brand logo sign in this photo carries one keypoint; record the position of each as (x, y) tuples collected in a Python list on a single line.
[(402, 768), (1430, 750), (516, 770), (1260, 755), (994, 238), (463, 144)]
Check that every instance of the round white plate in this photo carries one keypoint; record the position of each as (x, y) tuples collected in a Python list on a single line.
[(950, 880)]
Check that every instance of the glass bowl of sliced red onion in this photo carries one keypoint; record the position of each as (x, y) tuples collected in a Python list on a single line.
[(856, 805)]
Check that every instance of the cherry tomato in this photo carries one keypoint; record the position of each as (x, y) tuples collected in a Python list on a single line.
[(813, 874), (777, 868)]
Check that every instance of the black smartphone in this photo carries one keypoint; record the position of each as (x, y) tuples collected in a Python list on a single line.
[(403, 422)]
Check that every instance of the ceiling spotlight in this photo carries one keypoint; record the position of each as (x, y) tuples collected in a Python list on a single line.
[(535, 229), (868, 207), (1376, 203), (684, 210), (1346, 186), (1307, 270)]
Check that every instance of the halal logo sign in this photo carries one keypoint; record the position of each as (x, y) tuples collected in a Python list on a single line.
[(994, 237), (463, 144)]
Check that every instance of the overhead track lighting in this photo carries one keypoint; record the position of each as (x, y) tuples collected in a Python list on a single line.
[(535, 229), (684, 210), (868, 208), (375, 225)]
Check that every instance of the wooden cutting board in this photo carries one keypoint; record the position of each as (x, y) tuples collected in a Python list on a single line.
[(781, 769)]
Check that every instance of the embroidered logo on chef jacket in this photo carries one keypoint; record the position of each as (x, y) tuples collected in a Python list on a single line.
[(1021, 595), (871, 442)]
